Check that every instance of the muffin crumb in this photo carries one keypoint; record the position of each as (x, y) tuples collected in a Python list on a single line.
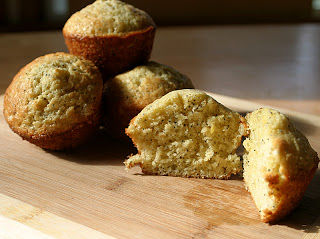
[(187, 133)]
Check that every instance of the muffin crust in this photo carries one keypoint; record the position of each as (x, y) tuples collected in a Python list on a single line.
[(107, 17), (52, 96)]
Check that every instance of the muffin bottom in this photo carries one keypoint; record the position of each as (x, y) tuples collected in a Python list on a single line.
[(65, 140), (113, 54)]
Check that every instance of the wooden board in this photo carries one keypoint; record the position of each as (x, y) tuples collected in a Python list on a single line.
[(86, 193)]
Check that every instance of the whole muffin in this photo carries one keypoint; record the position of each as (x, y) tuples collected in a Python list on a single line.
[(187, 133), (279, 163), (112, 34), (55, 101), (128, 93)]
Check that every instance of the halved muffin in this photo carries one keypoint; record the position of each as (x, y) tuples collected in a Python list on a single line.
[(114, 35), (126, 94), (187, 133), (55, 101), (279, 163)]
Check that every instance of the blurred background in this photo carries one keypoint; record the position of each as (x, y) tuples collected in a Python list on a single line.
[(22, 15)]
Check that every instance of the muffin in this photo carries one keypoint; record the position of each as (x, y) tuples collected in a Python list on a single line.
[(187, 133), (278, 165), (55, 101), (114, 35), (127, 94)]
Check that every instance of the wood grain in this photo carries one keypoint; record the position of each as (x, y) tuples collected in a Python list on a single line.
[(22, 220), (87, 192)]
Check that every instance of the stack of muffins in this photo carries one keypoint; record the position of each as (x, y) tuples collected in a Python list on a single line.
[(58, 100)]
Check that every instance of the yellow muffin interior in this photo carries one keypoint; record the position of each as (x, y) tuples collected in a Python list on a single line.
[(187, 133), (277, 156)]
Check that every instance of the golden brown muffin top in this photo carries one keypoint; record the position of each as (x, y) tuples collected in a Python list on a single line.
[(53, 93), (107, 17), (146, 83)]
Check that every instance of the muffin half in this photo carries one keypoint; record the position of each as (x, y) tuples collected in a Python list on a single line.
[(278, 163), (112, 34), (128, 93), (55, 101), (187, 133)]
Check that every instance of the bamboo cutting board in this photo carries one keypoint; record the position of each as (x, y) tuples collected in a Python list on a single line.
[(86, 193)]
